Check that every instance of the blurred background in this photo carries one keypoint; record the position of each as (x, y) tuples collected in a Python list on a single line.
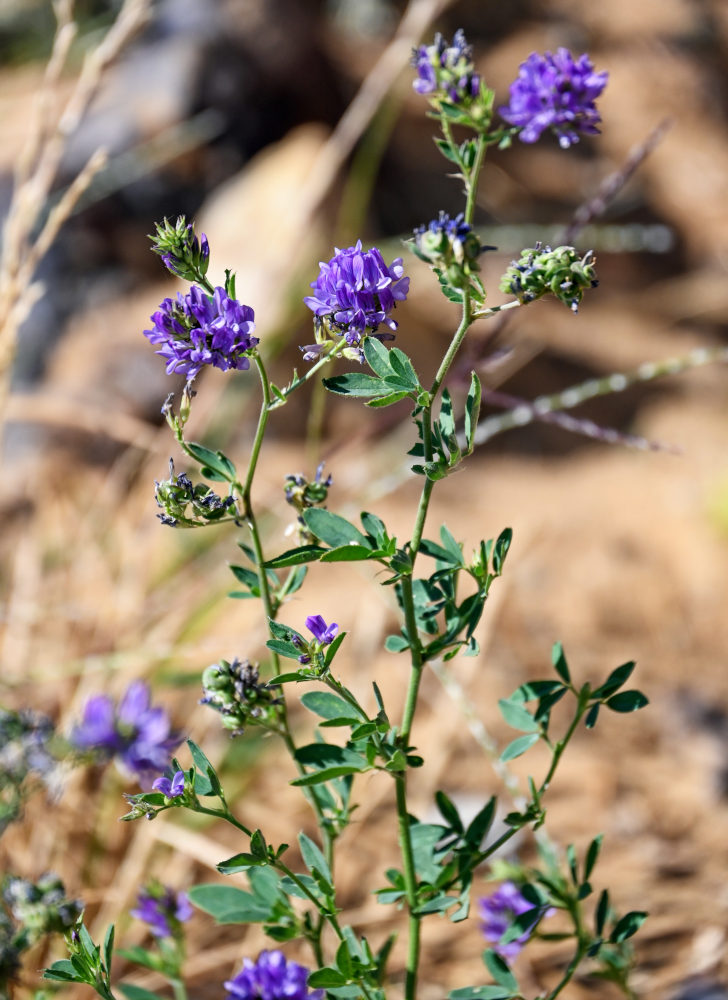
[(228, 112)]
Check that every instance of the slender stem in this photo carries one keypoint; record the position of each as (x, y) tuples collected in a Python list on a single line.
[(299, 380), (410, 881), (471, 179), (562, 743), (416, 660), (178, 988), (454, 347), (224, 814)]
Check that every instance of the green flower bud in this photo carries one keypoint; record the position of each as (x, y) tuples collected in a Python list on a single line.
[(560, 272)]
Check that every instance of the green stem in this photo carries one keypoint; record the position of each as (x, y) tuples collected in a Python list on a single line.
[(410, 881), (178, 988), (471, 178), (582, 947), (302, 379), (416, 661)]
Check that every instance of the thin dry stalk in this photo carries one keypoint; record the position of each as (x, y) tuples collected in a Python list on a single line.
[(24, 246)]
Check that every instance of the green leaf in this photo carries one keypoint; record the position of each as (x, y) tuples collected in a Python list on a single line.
[(627, 701), (446, 419), (333, 648), (377, 357), (333, 529), (499, 970), (227, 904), (238, 863), (61, 971), (472, 410), (133, 992), (447, 150), (478, 829), (558, 659), (592, 854), (294, 557), (500, 550), (396, 643), (108, 947), (389, 399), (402, 366), (452, 546), (591, 716), (350, 552), (215, 465), (326, 978), (327, 705), (449, 812), (519, 746), (355, 384), (616, 679), (602, 912), (286, 649), (327, 755), (627, 926), (266, 884), (258, 846), (314, 859), (206, 770), (518, 717)]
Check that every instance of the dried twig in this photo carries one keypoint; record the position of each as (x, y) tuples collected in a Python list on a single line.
[(25, 244)]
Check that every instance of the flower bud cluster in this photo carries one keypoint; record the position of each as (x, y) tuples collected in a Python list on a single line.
[(41, 907), (561, 272), (302, 494), (25, 749), (235, 691), (445, 70), (186, 505), (181, 251), (451, 246)]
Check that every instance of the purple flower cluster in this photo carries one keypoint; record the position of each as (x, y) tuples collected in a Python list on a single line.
[(162, 909), (555, 92), (446, 68), (498, 912), (198, 329), (135, 732), (357, 291), (271, 977)]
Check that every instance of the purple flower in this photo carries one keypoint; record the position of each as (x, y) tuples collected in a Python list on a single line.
[(163, 909), (498, 912), (322, 632), (446, 68), (139, 735), (198, 329), (271, 978), (556, 92), (171, 788), (356, 291)]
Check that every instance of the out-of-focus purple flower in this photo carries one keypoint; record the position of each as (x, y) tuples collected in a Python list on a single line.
[(322, 632), (447, 69), (498, 911), (171, 788), (198, 329), (558, 92), (138, 734), (356, 291), (163, 909), (271, 977)]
